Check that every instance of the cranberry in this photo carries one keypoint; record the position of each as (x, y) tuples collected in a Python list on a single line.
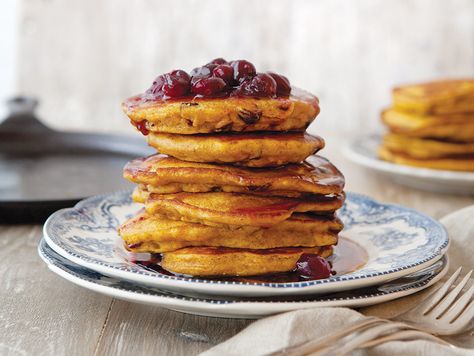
[(141, 126), (157, 85), (218, 61), (176, 83), (313, 266), (262, 85), (225, 72), (283, 84), (242, 70), (208, 86), (200, 72)]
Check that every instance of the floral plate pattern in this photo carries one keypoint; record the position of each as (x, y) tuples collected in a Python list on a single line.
[(238, 307), (398, 241)]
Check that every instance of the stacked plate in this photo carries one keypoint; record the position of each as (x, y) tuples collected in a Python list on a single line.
[(404, 253)]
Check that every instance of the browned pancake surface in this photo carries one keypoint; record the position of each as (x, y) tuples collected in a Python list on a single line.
[(233, 114), (150, 233), (450, 96), (236, 209), (243, 149), (315, 176), (218, 261)]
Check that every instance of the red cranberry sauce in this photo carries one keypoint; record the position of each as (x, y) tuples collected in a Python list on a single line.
[(219, 78), (312, 266)]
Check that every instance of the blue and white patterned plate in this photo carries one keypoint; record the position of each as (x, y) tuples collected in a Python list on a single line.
[(231, 307), (398, 241), (363, 151)]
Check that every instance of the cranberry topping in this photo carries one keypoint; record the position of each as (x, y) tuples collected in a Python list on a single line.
[(242, 70), (208, 86), (313, 266), (157, 85), (218, 61), (219, 78), (141, 126), (225, 72), (176, 84), (260, 86), (283, 84), (200, 72)]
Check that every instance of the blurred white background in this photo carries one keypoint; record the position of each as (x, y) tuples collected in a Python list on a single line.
[(9, 20), (81, 58)]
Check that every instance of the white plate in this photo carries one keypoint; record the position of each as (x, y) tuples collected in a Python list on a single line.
[(363, 150), (235, 307), (398, 241)]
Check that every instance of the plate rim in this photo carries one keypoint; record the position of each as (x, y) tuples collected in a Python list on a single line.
[(223, 306), (351, 152), (228, 287)]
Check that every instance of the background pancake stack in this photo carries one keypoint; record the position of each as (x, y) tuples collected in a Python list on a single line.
[(431, 125), (238, 190)]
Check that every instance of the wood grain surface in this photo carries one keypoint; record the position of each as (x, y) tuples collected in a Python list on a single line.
[(42, 314)]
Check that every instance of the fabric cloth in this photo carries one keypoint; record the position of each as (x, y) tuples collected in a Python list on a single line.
[(276, 332)]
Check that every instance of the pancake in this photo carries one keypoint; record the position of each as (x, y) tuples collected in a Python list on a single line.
[(222, 261), (141, 192), (235, 114), (247, 149), (426, 148), (204, 188), (314, 176), (149, 233), (234, 209), (439, 97), (459, 163), (453, 127)]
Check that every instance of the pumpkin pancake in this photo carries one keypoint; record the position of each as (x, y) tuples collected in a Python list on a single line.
[(454, 127), (316, 175), (141, 192), (236, 114), (455, 163), (426, 148), (234, 209), (223, 261), (204, 188), (245, 149), (438, 98), (150, 233)]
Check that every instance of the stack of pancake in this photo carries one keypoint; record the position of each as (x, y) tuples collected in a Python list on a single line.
[(236, 190), (431, 125)]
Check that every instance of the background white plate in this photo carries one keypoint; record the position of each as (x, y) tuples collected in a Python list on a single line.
[(363, 150), (237, 307)]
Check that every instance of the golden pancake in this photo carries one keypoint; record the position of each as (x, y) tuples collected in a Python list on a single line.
[(236, 114), (234, 209), (149, 233), (452, 127), (204, 188), (222, 261), (244, 149), (460, 163), (142, 192), (426, 148), (315, 176), (439, 97)]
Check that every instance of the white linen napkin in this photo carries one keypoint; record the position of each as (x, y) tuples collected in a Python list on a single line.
[(276, 332)]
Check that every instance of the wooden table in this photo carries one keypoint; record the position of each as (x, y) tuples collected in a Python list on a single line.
[(42, 314)]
